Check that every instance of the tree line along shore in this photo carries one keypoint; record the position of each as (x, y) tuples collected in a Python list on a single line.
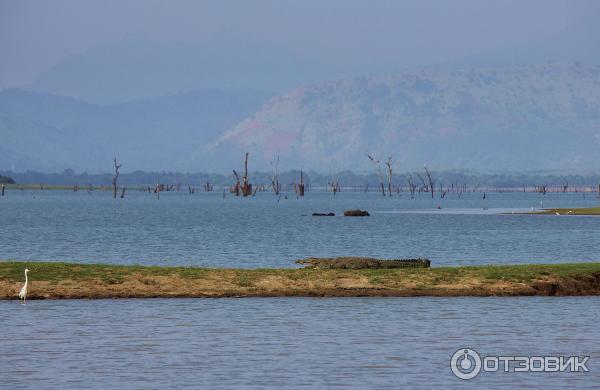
[(381, 176), (57, 280)]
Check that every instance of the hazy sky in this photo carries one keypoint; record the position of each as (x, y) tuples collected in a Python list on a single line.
[(34, 35)]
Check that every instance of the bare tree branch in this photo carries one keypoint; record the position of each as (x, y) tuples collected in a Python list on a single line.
[(431, 182), (379, 175), (389, 170), (115, 177), (275, 178), (246, 186)]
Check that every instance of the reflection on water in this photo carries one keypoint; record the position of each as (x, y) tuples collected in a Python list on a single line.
[(207, 230), (285, 343)]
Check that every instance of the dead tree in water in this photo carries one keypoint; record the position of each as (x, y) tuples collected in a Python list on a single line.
[(430, 179), (424, 187), (123, 192), (389, 171), (379, 175), (275, 178), (541, 189), (412, 187), (301, 185), (236, 188), (246, 186), (335, 185), (115, 177), (443, 192)]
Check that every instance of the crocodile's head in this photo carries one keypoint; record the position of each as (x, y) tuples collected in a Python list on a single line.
[(308, 262)]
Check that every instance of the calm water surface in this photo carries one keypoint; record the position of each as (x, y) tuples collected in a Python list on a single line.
[(207, 230), (386, 343), (289, 343)]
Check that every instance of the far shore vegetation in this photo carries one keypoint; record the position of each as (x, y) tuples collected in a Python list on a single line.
[(6, 180), (346, 179)]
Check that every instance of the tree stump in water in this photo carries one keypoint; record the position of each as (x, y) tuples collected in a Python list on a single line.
[(301, 185), (247, 189)]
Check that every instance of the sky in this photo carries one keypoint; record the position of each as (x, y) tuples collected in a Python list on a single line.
[(35, 35)]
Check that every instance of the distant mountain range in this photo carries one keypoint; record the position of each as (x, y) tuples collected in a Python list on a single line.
[(517, 118), (135, 68), (51, 133)]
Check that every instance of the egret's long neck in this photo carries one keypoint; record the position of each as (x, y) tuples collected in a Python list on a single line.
[(25, 277)]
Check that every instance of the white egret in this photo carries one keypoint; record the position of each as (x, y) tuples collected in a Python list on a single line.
[(23, 292)]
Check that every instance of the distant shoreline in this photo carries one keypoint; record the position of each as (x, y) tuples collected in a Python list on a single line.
[(569, 211), (53, 280), (359, 180)]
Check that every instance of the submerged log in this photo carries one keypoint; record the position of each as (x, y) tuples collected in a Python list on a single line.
[(362, 263), (356, 213), (323, 214)]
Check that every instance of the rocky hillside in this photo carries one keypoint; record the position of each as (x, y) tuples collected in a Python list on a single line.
[(537, 117)]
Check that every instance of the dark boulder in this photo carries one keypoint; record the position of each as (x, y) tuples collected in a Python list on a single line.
[(356, 213)]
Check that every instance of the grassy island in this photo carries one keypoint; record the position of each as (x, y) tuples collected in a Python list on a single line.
[(53, 280)]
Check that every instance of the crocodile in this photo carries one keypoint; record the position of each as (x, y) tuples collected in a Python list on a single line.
[(362, 263)]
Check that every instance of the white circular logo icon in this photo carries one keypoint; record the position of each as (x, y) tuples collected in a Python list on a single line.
[(465, 363)]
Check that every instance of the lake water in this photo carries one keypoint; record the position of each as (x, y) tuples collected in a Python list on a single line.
[(281, 343), (290, 343), (207, 230)]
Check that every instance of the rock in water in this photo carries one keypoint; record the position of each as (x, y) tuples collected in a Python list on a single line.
[(356, 213), (323, 214)]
